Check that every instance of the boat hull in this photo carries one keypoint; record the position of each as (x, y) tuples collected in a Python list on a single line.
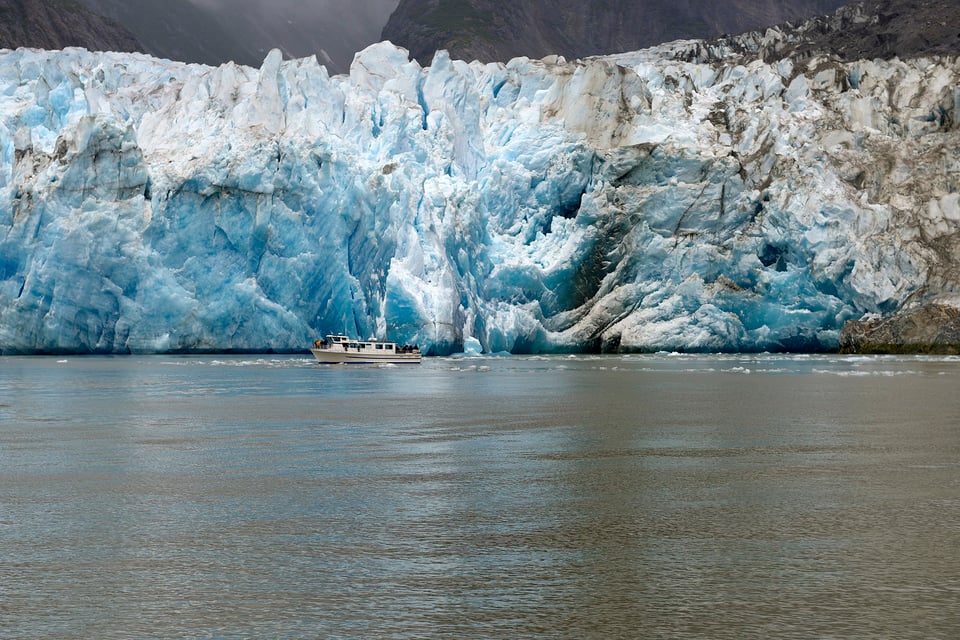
[(330, 356)]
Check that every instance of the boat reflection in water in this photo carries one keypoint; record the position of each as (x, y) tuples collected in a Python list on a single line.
[(337, 349)]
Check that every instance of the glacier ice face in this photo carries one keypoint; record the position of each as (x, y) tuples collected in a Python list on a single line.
[(631, 202)]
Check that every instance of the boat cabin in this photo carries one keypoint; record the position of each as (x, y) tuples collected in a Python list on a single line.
[(342, 343)]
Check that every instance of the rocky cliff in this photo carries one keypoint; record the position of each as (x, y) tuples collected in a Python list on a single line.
[(927, 329)]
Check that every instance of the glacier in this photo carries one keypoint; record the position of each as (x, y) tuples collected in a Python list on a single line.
[(665, 199)]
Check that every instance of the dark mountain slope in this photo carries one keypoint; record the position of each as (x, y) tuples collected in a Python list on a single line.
[(885, 29), (497, 30), (246, 32), (55, 24), (178, 30), (902, 28), (868, 30), (188, 31)]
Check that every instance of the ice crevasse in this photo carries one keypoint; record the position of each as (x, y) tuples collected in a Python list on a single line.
[(623, 203)]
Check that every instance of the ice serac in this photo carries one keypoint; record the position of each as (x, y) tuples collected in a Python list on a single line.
[(647, 201)]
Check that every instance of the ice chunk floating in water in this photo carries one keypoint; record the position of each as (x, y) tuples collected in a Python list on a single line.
[(636, 202)]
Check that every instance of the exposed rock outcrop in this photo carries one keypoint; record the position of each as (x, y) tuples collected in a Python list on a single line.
[(933, 329)]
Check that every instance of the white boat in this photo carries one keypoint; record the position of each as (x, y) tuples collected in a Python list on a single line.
[(338, 348)]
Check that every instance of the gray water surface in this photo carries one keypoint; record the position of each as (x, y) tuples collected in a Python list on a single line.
[(659, 496)]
